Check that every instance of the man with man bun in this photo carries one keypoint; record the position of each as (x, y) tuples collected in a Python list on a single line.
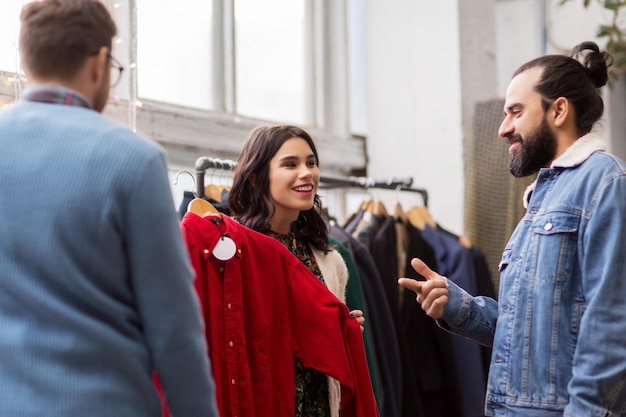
[(558, 329)]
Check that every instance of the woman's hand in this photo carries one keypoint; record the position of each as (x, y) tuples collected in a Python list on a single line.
[(360, 318)]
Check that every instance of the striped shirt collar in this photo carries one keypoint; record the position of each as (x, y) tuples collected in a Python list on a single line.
[(55, 94)]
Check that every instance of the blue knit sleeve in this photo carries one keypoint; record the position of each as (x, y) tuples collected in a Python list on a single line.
[(162, 281)]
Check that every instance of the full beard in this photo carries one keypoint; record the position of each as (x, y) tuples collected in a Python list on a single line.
[(535, 151)]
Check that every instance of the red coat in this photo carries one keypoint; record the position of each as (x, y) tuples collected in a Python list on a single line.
[(263, 308)]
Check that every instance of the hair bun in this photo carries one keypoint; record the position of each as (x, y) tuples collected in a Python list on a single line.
[(595, 61)]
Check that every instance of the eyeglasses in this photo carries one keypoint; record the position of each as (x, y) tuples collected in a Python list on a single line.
[(116, 71)]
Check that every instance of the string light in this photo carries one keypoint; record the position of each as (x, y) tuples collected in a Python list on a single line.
[(123, 12)]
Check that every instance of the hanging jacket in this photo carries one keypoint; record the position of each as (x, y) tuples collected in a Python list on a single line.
[(379, 322), (262, 308)]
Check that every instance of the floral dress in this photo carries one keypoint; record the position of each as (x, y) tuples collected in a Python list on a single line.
[(311, 385)]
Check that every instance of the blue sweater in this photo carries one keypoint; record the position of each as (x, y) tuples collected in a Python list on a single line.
[(95, 283)]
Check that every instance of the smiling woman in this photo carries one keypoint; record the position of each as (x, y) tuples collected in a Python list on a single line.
[(293, 179), (274, 192), (270, 154)]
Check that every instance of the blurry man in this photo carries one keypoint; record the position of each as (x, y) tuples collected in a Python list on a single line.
[(95, 284)]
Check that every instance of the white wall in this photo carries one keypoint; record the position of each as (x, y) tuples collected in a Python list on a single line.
[(518, 36), (414, 95), (419, 111)]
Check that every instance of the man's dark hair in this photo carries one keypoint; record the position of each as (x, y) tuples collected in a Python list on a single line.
[(57, 36), (576, 78)]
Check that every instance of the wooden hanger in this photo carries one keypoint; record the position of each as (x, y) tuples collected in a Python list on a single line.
[(430, 221), (398, 213), (465, 242), (213, 191), (378, 209), (201, 207), (415, 216), (419, 217), (366, 205)]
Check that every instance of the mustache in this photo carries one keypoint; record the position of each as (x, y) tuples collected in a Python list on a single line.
[(514, 137)]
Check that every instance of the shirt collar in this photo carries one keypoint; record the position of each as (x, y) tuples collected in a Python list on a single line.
[(55, 94), (576, 154), (209, 228), (579, 151)]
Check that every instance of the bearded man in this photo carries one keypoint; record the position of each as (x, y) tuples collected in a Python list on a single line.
[(558, 329)]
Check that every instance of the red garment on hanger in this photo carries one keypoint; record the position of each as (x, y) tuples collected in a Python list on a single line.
[(263, 308)]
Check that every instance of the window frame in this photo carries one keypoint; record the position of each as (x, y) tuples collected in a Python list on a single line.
[(187, 134)]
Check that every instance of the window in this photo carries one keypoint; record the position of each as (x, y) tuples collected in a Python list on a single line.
[(202, 73), (272, 69), (183, 66), (174, 52), (9, 56), (357, 62), (9, 28)]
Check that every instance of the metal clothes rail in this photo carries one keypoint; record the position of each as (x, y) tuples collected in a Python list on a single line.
[(399, 184)]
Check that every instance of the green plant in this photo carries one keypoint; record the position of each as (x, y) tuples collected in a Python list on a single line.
[(614, 32)]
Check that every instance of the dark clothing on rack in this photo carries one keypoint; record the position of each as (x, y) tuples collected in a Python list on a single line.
[(456, 263), (436, 371), (430, 386), (366, 229), (355, 300), (384, 250), (484, 285), (380, 323)]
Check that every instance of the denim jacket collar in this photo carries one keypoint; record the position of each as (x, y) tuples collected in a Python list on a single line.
[(573, 156)]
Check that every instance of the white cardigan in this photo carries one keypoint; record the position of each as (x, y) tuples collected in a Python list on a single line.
[(335, 275), (334, 271)]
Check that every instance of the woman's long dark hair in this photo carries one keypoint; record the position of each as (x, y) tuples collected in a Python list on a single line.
[(249, 198)]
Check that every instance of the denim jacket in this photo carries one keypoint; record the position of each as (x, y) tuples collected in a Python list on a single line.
[(558, 331)]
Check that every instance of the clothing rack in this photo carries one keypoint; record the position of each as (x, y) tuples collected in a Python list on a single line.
[(399, 184), (203, 163)]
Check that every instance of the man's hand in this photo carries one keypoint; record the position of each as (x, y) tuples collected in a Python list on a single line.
[(432, 294)]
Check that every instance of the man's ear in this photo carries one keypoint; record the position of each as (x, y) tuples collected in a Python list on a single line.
[(99, 67), (561, 111)]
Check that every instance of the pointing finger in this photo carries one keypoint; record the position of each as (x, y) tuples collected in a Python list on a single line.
[(410, 284), (423, 269)]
